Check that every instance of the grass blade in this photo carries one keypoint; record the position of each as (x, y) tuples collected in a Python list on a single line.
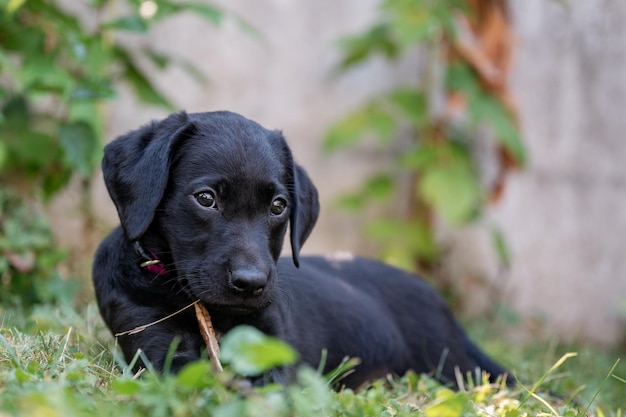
[(14, 359), (606, 378), (554, 367)]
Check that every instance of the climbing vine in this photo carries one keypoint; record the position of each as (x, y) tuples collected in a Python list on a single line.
[(459, 98)]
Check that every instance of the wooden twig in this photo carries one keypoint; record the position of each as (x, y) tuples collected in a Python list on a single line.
[(208, 334)]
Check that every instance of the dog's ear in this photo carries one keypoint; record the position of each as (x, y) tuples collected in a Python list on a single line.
[(304, 211), (136, 168)]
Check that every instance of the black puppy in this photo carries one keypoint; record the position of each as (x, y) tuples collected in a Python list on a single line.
[(204, 201)]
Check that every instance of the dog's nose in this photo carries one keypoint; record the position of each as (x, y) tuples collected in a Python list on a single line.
[(249, 281)]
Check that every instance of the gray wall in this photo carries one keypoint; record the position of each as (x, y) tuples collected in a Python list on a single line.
[(562, 215)]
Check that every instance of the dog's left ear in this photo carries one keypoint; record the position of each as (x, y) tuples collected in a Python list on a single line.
[(304, 215), (136, 169), (305, 206)]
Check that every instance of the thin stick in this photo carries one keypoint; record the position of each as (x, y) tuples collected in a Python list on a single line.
[(208, 334), (145, 326)]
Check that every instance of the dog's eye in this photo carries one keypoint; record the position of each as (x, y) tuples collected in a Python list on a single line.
[(278, 206), (206, 199)]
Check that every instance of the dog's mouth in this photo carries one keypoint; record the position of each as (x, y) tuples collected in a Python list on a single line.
[(240, 309), (235, 307), (236, 310)]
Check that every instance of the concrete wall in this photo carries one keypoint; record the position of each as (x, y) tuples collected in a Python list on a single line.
[(562, 216)]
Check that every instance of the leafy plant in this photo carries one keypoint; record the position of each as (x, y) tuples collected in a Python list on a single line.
[(57, 70), (28, 256), (459, 97), (60, 64)]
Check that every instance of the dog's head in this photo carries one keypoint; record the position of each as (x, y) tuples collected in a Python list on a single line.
[(212, 194)]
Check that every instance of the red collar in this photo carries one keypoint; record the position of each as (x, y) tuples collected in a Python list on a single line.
[(151, 263), (155, 266)]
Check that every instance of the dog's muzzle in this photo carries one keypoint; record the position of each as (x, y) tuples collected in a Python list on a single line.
[(248, 282)]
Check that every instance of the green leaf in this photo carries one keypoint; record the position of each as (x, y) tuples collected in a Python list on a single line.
[(22, 376), (140, 83), (41, 73), (235, 408), (512, 413), (13, 5), (377, 40), (88, 112), (415, 26), (77, 46), (55, 181), (452, 189), (195, 375), (382, 123), (313, 397), (23, 40), (378, 187), (420, 157), (448, 404), (346, 132), (208, 12), (193, 71), (80, 146), (3, 155), (489, 110), (371, 118), (92, 89), (97, 63), (404, 240), (29, 150), (131, 23), (460, 77), (251, 352), (161, 61), (413, 104), (502, 249), (446, 13), (126, 386), (351, 202)]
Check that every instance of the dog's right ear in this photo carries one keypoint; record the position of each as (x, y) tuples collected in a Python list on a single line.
[(136, 169)]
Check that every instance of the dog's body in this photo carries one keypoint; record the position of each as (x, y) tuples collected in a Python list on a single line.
[(208, 198)]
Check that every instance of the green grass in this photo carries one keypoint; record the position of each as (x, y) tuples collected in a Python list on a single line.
[(55, 361)]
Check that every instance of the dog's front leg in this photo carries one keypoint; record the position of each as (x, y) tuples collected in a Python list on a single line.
[(164, 346)]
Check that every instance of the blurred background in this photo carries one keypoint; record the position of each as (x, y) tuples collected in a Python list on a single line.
[(477, 142)]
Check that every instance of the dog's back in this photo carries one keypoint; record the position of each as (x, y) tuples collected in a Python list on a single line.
[(345, 304)]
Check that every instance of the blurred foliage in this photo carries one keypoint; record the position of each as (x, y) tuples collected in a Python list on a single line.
[(446, 111), (60, 64), (28, 256), (56, 71)]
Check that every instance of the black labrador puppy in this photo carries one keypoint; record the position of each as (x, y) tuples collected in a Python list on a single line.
[(204, 202)]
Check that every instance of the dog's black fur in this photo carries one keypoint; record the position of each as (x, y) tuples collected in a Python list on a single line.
[(210, 195)]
